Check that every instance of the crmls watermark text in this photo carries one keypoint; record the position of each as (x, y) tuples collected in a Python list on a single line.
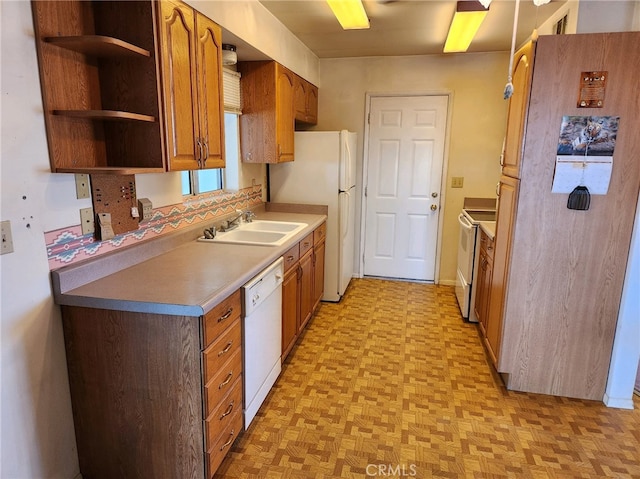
[(392, 470)]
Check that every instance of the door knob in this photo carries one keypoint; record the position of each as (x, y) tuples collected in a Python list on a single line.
[(434, 194), (434, 207)]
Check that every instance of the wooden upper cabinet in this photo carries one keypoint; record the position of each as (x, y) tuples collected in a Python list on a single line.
[(284, 113), (267, 121), (210, 91), (178, 49), (146, 90), (191, 53), (517, 112), (305, 101), (100, 86)]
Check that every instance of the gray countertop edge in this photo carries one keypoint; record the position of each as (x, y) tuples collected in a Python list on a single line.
[(70, 298), (489, 227)]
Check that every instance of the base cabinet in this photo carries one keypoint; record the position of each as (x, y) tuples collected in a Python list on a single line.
[(485, 265), (302, 286), (154, 395)]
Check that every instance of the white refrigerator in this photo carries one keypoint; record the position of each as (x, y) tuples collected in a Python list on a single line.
[(324, 173)]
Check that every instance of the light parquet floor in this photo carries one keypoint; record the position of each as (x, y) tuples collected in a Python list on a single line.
[(392, 383)]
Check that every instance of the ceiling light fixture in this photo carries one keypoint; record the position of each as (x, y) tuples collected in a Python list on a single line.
[(350, 14), (466, 21)]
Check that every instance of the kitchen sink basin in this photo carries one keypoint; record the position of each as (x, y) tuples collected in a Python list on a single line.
[(259, 232), (266, 225)]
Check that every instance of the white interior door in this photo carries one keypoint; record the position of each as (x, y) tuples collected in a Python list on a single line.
[(404, 173)]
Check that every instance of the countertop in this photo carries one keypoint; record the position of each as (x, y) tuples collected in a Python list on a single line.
[(189, 279), (489, 227)]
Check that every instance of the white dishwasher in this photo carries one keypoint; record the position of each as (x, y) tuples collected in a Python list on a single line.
[(262, 336)]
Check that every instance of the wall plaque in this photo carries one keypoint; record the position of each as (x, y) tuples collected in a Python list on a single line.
[(592, 89)]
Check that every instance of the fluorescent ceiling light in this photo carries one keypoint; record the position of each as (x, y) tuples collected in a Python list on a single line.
[(350, 14), (466, 21)]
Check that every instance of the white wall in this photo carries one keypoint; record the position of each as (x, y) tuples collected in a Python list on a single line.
[(477, 125), (37, 428)]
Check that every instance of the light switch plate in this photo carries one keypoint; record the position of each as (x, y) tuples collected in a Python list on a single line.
[(7, 238), (82, 186), (87, 221), (457, 181)]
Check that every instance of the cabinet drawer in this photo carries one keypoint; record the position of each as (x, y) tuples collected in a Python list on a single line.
[(291, 257), (216, 355), (222, 381), (219, 450), (217, 421), (221, 316), (306, 244), (320, 233)]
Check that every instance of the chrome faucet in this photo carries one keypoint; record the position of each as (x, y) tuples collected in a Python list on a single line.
[(249, 215), (233, 222)]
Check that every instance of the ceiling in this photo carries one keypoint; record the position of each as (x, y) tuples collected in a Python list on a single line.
[(403, 27)]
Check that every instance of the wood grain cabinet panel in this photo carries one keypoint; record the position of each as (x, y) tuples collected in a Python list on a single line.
[(485, 265), (191, 60), (517, 110), (150, 399), (558, 273), (303, 286), (100, 86), (267, 121), (130, 87), (305, 101)]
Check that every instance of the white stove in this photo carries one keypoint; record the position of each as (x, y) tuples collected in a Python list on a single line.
[(475, 210)]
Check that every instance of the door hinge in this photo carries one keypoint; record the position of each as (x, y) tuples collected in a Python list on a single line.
[(365, 191), (369, 118)]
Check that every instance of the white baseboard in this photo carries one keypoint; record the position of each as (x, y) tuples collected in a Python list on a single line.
[(447, 282), (620, 403)]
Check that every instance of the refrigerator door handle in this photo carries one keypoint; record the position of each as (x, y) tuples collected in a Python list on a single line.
[(344, 214)]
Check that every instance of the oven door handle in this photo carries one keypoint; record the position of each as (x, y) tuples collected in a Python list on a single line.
[(464, 222)]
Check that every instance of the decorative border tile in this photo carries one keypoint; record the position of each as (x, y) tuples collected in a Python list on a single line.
[(68, 245)]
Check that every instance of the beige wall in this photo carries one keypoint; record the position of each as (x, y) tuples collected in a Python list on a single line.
[(478, 118)]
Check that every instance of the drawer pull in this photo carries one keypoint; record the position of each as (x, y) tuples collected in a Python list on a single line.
[(226, 381), (228, 411), (226, 349), (290, 258), (231, 434), (225, 315)]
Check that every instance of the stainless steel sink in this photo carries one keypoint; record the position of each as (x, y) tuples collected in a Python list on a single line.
[(259, 232)]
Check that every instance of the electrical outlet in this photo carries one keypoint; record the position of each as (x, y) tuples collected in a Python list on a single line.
[(82, 186), (87, 221), (7, 238), (457, 181)]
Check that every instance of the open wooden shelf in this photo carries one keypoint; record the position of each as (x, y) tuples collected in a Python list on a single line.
[(105, 115), (98, 45)]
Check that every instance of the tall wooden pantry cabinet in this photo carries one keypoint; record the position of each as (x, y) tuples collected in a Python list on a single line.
[(558, 273)]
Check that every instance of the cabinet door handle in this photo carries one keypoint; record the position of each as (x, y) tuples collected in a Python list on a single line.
[(231, 434), (225, 315), (206, 154), (226, 381), (199, 155), (228, 411), (226, 349)]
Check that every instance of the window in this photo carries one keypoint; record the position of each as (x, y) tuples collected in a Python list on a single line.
[(202, 181)]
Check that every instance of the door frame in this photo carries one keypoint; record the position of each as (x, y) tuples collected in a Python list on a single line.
[(365, 170)]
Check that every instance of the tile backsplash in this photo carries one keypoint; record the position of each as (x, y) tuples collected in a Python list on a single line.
[(68, 245)]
